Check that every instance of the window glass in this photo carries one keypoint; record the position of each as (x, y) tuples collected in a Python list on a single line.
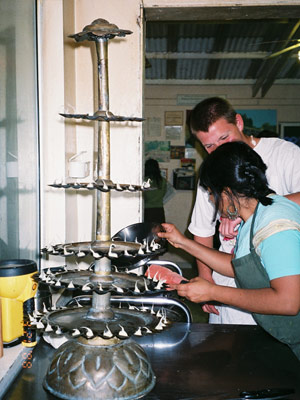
[(19, 205)]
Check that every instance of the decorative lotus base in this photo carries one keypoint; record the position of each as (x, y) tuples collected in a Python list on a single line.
[(99, 369)]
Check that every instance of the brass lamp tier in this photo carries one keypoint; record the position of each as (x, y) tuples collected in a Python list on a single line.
[(114, 282)]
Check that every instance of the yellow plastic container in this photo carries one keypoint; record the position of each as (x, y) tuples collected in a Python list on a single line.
[(16, 286)]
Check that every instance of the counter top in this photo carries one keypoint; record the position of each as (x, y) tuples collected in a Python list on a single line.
[(10, 365), (8, 359), (197, 361)]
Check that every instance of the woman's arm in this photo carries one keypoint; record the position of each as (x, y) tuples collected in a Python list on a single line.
[(283, 297), (217, 260)]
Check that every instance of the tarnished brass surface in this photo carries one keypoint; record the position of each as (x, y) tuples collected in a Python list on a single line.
[(100, 28), (101, 309), (101, 115), (78, 318), (104, 185), (130, 245), (94, 246), (99, 341), (120, 280), (83, 371), (103, 246), (103, 222)]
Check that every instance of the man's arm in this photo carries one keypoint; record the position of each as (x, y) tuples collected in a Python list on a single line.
[(295, 197), (202, 216), (205, 272), (229, 228)]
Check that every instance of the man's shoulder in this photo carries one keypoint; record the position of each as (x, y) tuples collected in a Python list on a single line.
[(276, 144), (280, 208), (278, 150)]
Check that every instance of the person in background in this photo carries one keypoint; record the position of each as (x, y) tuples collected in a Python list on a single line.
[(214, 122), (267, 278), (153, 199)]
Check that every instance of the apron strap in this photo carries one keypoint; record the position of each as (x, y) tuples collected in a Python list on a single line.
[(251, 246), (276, 226)]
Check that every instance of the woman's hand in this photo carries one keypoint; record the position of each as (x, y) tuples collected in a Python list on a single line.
[(172, 235), (198, 290)]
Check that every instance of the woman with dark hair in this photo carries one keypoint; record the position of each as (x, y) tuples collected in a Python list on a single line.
[(267, 278), (153, 199)]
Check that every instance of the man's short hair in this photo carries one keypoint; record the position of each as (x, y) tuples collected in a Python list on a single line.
[(208, 111)]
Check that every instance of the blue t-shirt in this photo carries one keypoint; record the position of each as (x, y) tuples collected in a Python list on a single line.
[(280, 252)]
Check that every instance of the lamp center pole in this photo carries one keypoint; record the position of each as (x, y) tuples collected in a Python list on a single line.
[(103, 228)]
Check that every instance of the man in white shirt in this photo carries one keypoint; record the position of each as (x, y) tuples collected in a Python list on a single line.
[(214, 122)]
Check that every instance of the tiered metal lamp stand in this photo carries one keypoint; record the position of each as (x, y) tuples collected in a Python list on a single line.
[(100, 360)]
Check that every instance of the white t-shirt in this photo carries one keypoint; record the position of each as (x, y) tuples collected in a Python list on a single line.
[(283, 161)]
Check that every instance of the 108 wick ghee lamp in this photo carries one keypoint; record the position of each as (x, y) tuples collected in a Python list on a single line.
[(99, 359)]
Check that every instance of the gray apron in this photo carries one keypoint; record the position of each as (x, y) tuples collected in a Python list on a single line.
[(251, 274)]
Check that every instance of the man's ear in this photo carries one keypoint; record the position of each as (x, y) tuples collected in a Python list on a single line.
[(239, 122)]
